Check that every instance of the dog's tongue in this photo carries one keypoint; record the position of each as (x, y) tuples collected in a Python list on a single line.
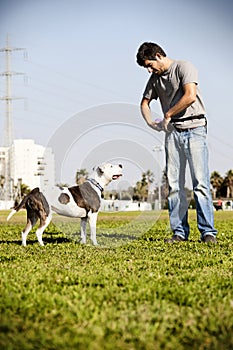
[(115, 177)]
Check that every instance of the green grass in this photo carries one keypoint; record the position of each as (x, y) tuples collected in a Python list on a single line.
[(132, 292)]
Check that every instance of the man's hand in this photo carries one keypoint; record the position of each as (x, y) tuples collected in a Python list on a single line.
[(156, 125), (165, 122)]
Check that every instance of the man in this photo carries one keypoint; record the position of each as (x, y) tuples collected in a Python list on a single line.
[(175, 84)]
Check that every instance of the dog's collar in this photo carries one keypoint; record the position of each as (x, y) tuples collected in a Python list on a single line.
[(95, 183)]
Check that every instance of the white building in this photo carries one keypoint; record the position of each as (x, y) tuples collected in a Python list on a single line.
[(27, 162), (32, 163), (3, 162), (6, 189)]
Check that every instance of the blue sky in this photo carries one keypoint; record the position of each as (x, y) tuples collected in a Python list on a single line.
[(81, 55)]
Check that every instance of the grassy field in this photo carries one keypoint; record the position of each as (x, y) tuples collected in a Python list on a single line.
[(132, 292)]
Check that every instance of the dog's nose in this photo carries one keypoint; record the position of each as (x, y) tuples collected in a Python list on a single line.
[(120, 165)]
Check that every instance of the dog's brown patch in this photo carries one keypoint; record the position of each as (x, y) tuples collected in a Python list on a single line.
[(64, 198), (85, 197)]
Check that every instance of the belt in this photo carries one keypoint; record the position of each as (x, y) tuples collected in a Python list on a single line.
[(193, 117), (201, 116)]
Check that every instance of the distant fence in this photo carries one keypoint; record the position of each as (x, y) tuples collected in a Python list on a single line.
[(124, 205)]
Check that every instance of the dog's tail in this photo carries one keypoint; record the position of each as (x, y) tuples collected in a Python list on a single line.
[(22, 203), (13, 211)]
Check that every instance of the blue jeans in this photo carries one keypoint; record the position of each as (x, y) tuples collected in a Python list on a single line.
[(182, 147)]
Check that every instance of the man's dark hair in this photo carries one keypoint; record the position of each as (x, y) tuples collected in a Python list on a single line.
[(148, 51)]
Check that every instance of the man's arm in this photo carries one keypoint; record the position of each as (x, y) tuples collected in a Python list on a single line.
[(186, 100), (146, 113)]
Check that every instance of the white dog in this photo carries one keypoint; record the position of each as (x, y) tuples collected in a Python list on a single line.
[(81, 201)]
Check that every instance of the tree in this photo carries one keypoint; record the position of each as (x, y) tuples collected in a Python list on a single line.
[(216, 181), (20, 191), (141, 190), (81, 176), (2, 182), (229, 183)]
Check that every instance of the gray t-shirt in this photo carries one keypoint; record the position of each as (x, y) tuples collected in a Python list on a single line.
[(168, 87)]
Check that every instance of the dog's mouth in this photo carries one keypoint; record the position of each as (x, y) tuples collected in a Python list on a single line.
[(115, 177)]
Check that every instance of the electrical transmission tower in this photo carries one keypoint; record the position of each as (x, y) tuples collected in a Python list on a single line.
[(8, 125), (8, 98)]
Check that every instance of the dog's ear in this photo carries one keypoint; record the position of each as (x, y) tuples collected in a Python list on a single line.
[(100, 170)]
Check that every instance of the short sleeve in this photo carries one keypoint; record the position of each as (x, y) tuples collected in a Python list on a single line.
[(150, 91), (188, 73)]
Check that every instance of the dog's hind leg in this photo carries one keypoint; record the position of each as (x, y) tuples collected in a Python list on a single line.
[(42, 227), (92, 222), (83, 230), (25, 232), (32, 218)]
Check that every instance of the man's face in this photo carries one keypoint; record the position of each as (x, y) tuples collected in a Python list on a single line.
[(155, 66)]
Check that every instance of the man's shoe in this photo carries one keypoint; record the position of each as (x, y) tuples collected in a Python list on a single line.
[(209, 239), (175, 239)]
